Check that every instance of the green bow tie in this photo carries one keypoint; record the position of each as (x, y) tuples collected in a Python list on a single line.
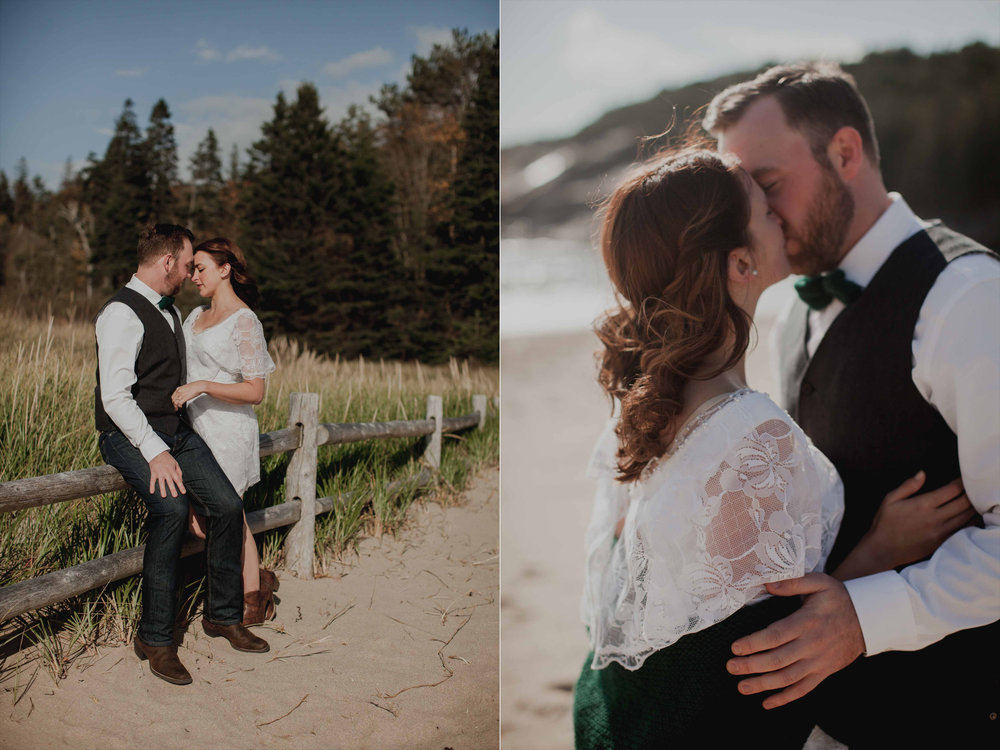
[(819, 291), (165, 302)]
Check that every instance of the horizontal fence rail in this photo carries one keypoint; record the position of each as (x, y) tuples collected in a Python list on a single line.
[(50, 588), (32, 492), (58, 585)]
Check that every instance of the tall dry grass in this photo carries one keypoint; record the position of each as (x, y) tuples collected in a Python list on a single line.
[(46, 426)]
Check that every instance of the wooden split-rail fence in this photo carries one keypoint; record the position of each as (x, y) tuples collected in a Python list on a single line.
[(302, 437)]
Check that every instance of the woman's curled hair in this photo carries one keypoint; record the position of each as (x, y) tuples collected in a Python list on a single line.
[(666, 235), (226, 251)]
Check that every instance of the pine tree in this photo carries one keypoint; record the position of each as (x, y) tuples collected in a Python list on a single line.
[(234, 164), (6, 216), (447, 77), (24, 199), (6, 199), (422, 141), (374, 309), (290, 207), (469, 263), (118, 190), (161, 147), (206, 207)]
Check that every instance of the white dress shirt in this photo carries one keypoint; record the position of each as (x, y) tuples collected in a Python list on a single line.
[(956, 368), (119, 336)]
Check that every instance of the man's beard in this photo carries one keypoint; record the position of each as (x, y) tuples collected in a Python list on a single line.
[(827, 219), (175, 285)]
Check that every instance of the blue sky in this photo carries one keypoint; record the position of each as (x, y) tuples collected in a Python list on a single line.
[(565, 62), (66, 68)]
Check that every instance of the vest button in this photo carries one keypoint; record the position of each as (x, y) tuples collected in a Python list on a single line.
[(808, 389)]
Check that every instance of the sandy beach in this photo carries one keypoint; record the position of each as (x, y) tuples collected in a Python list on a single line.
[(395, 648), (553, 411)]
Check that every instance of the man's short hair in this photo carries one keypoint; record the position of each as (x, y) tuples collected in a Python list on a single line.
[(159, 239), (818, 99)]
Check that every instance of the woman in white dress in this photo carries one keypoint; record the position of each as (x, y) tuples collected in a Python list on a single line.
[(707, 490), (227, 363)]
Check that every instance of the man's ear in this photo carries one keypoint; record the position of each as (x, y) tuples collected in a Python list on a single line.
[(740, 266), (846, 152)]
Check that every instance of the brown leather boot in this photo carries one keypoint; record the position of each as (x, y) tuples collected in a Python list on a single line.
[(163, 662), (254, 608), (268, 580), (269, 583), (238, 636)]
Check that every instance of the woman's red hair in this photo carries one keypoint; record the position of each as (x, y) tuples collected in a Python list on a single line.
[(226, 251), (666, 236)]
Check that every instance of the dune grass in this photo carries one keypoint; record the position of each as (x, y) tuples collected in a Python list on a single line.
[(46, 426)]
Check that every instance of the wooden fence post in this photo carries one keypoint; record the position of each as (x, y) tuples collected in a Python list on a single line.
[(479, 404), (300, 484), (435, 411)]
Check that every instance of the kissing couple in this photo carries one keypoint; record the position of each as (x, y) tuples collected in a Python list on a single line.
[(840, 554), (174, 411)]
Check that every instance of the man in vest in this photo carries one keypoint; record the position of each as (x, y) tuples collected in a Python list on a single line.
[(140, 362), (891, 364)]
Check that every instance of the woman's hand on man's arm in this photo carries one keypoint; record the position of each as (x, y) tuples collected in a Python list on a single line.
[(908, 527)]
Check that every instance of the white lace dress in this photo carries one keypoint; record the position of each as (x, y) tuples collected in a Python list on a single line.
[(741, 498), (230, 352)]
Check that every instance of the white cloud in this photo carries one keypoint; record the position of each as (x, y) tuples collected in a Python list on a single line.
[(132, 72), (599, 52), (371, 58), (206, 51), (581, 67), (244, 52), (428, 36), (403, 74)]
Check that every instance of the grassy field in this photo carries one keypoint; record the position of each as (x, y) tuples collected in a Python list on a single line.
[(46, 426)]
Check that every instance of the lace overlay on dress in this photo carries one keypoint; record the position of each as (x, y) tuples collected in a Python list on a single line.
[(231, 351), (741, 498), (248, 335)]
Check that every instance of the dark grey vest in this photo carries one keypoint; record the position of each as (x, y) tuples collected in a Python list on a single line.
[(857, 402), (159, 367), (856, 399)]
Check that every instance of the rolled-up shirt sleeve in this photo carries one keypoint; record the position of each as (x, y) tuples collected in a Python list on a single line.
[(119, 336), (956, 350)]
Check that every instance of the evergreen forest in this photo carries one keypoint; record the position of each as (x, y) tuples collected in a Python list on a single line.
[(376, 235)]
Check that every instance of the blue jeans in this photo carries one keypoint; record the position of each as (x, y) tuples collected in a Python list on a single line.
[(211, 495)]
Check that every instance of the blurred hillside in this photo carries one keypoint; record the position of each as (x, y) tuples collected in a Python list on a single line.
[(937, 119)]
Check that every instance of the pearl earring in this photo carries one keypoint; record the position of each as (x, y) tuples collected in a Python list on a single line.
[(753, 271)]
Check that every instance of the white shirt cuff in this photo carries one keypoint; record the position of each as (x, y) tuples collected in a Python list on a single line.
[(152, 447), (884, 611)]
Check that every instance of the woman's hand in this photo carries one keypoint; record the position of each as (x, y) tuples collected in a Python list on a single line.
[(908, 527), (187, 392)]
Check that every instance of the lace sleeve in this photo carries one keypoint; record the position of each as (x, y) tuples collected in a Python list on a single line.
[(744, 499), (248, 334), (760, 520)]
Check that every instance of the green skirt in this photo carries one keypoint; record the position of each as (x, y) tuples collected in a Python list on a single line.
[(682, 696)]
